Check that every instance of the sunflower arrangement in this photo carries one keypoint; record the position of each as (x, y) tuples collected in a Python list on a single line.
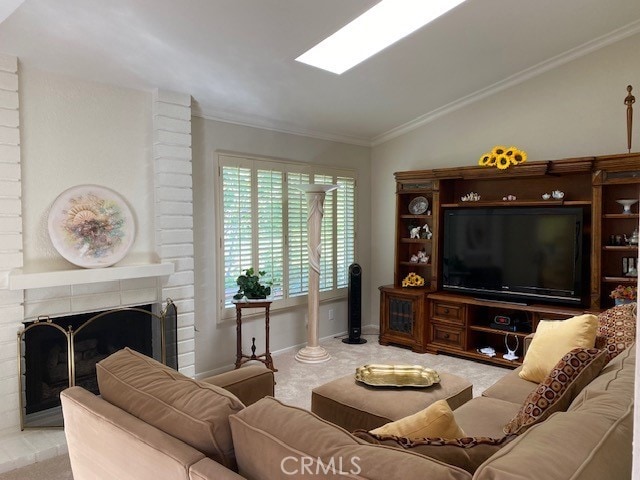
[(413, 280), (624, 293), (502, 157)]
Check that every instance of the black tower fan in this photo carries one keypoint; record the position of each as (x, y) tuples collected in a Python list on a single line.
[(354, 305)]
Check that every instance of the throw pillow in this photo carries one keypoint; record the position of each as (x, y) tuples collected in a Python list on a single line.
[(436, 420), (553, 339), (556, 392), (466, 452), (618, 326)]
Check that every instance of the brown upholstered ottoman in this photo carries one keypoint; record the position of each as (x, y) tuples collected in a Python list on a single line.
[(353, 405)]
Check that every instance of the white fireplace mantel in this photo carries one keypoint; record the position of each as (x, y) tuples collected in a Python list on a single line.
[(22, 279)]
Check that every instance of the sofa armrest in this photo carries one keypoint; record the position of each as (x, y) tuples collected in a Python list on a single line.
[(249, 383), (207, 469), (106, 442)]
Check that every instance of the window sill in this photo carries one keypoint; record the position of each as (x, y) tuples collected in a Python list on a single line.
[(229, 314)]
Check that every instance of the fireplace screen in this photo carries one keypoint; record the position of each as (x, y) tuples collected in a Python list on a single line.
[(56, 353)]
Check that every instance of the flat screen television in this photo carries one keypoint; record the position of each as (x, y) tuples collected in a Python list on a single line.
[(517, 254)]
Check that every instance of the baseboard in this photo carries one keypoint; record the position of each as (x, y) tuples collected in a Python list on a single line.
[(231, 366)]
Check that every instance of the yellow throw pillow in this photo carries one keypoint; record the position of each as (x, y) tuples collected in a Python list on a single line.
[(554, 339), (434, 421)]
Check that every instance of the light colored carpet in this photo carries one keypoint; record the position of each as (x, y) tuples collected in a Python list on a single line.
[(295, 381)]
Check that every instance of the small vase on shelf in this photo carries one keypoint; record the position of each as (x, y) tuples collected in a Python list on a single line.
[(626, 205), (622, 301)]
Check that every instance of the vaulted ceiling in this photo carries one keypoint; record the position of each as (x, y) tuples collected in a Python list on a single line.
[(236, 57)]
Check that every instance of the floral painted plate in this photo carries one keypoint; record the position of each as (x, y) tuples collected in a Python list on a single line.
[(91, 226)]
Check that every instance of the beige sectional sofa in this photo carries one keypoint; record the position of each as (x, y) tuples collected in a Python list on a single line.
[(269, 440)]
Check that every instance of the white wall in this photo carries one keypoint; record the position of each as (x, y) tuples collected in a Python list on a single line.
[(81, 133), (215, 342), (574, 110)]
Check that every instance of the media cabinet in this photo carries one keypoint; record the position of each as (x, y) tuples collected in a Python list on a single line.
[(428, 319)]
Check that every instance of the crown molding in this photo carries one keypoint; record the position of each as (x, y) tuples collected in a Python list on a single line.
[(520, 77), (275, 126)]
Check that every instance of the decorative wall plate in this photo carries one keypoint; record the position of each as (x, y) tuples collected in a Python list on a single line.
[(91, 226), (397, 375), (418, 205)]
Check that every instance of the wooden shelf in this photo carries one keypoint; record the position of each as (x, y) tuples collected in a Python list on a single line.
[(620, 280), (414, 264), (518, 203), (415, 240), (621, 216), (620, 248), (411, 216), (498, 360), (496, 331)]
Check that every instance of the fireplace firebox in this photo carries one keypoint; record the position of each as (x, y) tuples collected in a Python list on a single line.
[(56, 353)]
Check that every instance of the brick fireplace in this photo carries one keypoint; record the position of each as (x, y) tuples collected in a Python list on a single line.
[(167, 220)]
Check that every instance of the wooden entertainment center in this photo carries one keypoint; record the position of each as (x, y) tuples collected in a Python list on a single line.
[(429, 319)]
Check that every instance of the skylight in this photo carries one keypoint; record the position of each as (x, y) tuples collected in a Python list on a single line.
[(377, 28)]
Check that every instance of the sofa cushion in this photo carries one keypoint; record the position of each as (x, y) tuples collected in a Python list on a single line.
[(618, 326), (434, 421), (553, 339), (555, 393), (195, 412), (485, 417), (466, 452), (274, 440), (511, 388), (612, 376)]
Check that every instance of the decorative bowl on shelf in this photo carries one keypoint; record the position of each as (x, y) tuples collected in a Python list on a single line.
[(626, 204), (418, 205)]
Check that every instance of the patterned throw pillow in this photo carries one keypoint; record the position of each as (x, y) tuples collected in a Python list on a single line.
[(571, 374), (618, 326), (466, 452)]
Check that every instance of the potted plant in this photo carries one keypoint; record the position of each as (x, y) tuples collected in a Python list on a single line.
[(622, 294), (251, 286)]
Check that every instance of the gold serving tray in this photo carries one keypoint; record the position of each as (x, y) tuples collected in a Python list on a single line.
[(397, 375)]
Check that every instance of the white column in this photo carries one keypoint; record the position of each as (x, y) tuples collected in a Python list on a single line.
[(174, 212), (314, 353), (11, 302)]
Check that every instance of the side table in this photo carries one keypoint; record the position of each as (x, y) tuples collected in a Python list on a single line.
[(265, 357)]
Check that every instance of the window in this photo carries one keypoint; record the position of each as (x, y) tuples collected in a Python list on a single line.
[(264, 226)]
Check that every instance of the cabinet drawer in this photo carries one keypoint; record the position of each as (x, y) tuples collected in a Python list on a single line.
[(449, 312), (448, 335)]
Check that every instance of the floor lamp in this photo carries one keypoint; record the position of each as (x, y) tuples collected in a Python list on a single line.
[(314, 353)]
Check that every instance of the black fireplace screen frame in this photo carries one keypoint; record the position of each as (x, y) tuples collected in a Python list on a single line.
[(168, 347)]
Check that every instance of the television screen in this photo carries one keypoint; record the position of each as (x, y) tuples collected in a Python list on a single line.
[(516, 254)]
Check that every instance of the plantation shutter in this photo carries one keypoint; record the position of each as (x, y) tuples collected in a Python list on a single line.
[(298, 275), (271, 228), (345, 229), (237, 226)]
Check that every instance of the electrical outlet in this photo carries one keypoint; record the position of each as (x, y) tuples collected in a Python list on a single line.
[(331, 314)]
